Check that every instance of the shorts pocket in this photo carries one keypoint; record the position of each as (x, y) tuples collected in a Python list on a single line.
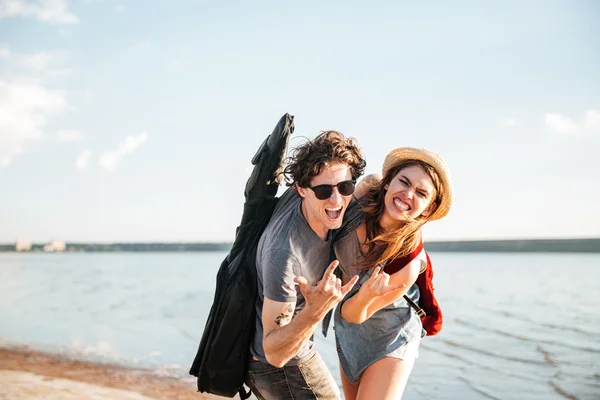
[(258, 368), (270, 384)]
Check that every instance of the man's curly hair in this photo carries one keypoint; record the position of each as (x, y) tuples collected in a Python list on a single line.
[(327, 149)]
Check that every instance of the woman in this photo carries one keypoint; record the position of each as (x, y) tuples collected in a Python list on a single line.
[(377, 332)]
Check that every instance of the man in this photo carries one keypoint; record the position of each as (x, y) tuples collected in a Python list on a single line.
[(292, 254)]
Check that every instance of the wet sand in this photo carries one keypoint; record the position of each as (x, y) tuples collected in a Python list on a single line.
[(29, 374)]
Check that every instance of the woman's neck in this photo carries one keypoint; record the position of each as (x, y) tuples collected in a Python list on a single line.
[(388, 224)]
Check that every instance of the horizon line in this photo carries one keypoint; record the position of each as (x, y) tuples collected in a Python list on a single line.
[(231, 242)]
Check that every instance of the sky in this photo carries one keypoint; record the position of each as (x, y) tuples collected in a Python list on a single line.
[(131, 121)]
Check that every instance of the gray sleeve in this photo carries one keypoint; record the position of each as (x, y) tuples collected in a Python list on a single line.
[(345, 260), (279, 268)]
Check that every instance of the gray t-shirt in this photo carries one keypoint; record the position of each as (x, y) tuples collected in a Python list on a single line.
[(347, 252), (287, 248)]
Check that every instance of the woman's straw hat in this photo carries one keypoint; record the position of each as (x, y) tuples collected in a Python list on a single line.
[(398, 156)]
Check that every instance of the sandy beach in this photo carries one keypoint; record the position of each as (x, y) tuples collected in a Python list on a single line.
[(29, 374)]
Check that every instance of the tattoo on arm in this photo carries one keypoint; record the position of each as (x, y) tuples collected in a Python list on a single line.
[(284, 316)]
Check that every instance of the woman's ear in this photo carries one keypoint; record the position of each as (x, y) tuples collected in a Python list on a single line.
[(429, 210)]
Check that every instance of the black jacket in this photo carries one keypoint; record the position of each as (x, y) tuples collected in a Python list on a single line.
[(221, 361)]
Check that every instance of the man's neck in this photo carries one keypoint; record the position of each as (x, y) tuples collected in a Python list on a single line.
[(318, 228)]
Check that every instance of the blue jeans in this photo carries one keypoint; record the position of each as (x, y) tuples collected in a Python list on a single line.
[(310, 379)]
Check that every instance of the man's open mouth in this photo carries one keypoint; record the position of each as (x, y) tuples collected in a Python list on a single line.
[(333, 213)]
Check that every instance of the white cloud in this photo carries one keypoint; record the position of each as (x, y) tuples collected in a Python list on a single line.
[(120, 8), (46, 62), (41, 64), (83, 159), (565, 125), (510, 122), (25, 109), (592, 121), (38, 61), (560, 124), (27, 103), (69, 136), (52, 11), (110, 160)]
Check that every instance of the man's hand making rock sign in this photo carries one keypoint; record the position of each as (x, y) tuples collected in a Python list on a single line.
[(284, 332), (328, 292)]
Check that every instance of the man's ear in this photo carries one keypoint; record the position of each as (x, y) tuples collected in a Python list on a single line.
[(301, 191), (429, 210)]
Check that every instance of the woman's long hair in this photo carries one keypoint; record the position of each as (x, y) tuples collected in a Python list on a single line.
[(388, 246)]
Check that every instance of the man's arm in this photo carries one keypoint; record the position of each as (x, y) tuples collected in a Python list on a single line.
[(284, 333)]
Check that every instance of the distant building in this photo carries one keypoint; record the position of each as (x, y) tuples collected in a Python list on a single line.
[(23, 245), (55, 246)]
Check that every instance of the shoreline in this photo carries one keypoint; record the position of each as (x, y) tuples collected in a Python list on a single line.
[(26, 373), (589, 245)]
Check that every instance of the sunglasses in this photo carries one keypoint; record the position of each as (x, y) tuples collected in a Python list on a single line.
[(323, 192)]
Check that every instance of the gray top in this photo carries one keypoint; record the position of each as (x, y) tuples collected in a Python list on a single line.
[(287, 248), (360, 345), (347, 252)]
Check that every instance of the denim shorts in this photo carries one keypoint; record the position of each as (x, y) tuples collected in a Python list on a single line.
[(310, 379)]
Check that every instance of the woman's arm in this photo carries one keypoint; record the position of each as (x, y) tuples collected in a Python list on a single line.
[(380, 291)]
